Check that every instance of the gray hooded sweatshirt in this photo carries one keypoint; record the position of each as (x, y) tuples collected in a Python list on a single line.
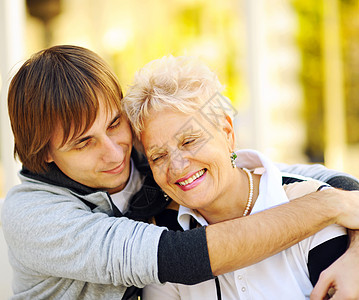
[(66, 243)]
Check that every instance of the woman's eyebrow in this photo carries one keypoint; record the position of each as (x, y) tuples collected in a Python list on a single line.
[(154, 150), (190, 132)]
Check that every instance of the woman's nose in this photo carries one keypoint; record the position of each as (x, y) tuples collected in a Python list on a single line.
[(178, 163)]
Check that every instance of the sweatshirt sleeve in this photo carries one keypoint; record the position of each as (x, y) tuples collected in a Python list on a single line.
[(321, 173), (60, 237), (344, 182), (53, 235), (186, 253)]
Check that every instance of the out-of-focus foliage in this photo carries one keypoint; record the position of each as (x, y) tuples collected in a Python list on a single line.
[(350, 39), (129, 34), (310, 19), (208, 29)]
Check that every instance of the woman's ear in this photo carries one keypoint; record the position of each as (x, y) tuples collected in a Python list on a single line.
[(229, 132)]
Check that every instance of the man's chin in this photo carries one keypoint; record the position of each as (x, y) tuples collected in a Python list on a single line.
[(116, 187)]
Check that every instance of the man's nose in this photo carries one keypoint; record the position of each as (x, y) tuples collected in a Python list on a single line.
[(111, 150)]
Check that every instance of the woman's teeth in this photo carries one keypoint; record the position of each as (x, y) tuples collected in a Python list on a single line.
[(192, 178)]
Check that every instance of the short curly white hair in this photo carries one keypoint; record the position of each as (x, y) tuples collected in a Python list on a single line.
[(181, 83)]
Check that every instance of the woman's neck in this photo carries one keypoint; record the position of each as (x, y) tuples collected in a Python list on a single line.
[(232, 203)]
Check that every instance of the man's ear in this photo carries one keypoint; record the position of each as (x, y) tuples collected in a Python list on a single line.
[(49, 158), (229, 132)]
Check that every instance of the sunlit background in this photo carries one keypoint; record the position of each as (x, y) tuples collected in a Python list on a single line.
[(290, 67)]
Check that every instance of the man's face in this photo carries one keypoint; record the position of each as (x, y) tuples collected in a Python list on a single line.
[(99, 158)]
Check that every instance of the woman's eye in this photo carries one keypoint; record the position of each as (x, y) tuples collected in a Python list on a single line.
[(157, 158), (187, 142)]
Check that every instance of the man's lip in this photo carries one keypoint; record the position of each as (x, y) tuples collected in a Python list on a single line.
[(116, 170)]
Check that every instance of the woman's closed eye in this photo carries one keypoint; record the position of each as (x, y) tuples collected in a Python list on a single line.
[(188, 141), (157, 158), (192, 142)]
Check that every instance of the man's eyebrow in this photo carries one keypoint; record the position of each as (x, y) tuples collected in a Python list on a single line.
[(80, 139), (75, 142)]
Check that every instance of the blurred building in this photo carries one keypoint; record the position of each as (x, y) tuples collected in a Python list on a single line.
[(294, 94), (250, 44)]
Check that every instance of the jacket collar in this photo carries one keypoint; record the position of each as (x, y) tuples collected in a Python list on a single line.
[(55, 176), (147, 202)]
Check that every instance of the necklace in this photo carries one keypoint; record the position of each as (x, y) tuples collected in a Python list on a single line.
[(250, 196)]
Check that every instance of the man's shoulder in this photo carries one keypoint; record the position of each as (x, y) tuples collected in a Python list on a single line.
[(31, 196), (296, 185)]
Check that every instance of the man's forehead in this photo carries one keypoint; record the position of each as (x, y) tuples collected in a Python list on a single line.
[(63, 139), (60, 140), (75, 123)]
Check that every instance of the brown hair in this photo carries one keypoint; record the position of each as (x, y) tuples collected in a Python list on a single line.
[(58, 86)]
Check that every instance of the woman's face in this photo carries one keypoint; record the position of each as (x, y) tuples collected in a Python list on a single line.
[(189, 157)]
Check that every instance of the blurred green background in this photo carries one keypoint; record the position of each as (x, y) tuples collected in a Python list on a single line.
[(290, 67)]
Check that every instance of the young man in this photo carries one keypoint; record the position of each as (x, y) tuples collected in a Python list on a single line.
[(65, 225)]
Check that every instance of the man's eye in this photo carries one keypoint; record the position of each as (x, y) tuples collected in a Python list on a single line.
[(82, 146), (115, 124)]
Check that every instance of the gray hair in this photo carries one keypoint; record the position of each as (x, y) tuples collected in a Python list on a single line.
[(181, 83)]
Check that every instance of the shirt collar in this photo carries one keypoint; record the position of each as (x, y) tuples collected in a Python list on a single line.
[(271, 192), (121, 199)]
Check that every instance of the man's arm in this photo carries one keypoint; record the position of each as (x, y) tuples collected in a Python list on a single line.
[(319, 172), (241, 242), (342, 276), (275, 230)]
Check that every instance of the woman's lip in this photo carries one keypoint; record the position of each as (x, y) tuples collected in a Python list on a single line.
[(187, 176), (194, 183), (117, 169)]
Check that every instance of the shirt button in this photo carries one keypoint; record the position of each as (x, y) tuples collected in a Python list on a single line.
[(243, 289), (239, 277)]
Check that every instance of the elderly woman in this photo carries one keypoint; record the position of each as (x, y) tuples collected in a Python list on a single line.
[(187, 134)]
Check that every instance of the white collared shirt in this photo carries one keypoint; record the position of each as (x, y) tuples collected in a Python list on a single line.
[(134, 184), (282, 276)]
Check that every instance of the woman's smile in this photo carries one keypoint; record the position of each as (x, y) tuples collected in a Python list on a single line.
[(189, 158), (190, 182)]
